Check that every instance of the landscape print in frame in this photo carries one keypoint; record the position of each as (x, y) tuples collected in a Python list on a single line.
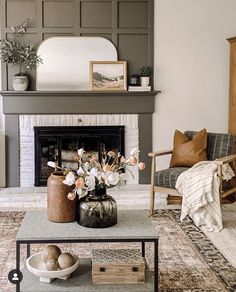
[(108, 75)]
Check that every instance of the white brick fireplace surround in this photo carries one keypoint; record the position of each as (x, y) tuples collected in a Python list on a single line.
[(26, 133)]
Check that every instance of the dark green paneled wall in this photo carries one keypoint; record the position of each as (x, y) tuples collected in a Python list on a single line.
[(127, 23)]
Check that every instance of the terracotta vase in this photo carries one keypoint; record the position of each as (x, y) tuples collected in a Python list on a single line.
[(59, 207)]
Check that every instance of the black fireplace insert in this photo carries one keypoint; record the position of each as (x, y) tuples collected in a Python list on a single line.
[(60, 144)]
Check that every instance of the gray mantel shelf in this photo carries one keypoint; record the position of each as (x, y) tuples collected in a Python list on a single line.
[(75, 102)]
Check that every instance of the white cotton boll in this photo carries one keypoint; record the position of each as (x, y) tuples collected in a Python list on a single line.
[(81, 152), (51, 164), (90, 182), (80, 171), (86, 166), (134, 151), (113, 178), (70, 179), (95, 172)]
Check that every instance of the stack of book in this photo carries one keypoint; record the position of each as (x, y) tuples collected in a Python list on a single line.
[(139, 88)]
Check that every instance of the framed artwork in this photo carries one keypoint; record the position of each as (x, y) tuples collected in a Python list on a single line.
[(108, 75)]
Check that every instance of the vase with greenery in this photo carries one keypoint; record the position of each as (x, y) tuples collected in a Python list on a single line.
[(16, 52), (145, 72)]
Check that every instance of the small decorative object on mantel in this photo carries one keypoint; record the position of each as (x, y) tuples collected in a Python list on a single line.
[(90, 181), (145, 72), (15, 52), (52, 263), (134, 80), (108, 75)]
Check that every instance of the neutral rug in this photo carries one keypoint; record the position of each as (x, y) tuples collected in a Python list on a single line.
[(187, 259)]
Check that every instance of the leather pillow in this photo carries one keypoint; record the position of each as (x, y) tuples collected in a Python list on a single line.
[(187, 152)]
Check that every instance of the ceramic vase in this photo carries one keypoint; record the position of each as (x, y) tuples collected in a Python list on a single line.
[(145, 81), (20, 83), (59, 207)]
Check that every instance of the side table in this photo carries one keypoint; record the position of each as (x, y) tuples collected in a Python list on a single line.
[(133, 226)]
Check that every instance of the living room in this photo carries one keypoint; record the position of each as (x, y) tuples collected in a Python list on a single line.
[(187, 48)]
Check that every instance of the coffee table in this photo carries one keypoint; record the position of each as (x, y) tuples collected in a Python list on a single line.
[(132, 226)]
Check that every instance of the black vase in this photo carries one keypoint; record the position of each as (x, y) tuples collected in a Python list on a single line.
[(97, 210)]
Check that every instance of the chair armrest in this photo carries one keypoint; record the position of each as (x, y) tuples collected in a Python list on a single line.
[(160, 153), (227, 159)]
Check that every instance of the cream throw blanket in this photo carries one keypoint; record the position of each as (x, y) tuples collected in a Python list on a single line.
[(199, 187)]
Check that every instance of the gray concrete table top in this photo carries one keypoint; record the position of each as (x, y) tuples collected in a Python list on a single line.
[(132, 225)]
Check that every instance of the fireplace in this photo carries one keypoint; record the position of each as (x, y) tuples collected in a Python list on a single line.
[(26, 110), (60, 144), (55, 129)]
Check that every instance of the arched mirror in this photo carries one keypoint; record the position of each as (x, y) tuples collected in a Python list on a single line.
[(66, 61)]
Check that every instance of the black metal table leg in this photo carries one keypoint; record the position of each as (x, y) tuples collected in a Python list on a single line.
[(18, 263), (143, 249), (155, 266), (28, 250)]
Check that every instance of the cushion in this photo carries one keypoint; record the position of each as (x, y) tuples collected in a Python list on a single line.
[(218, 144), (167, 177), (187, 152)]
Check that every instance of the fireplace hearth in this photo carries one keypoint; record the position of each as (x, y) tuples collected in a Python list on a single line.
[(60, 144)]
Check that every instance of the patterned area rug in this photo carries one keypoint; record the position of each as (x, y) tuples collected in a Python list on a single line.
[(187, 259)]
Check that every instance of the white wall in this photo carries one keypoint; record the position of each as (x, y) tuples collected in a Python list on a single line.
[(191, 66)]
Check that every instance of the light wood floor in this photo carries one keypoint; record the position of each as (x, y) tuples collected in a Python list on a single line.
[(225, 240)]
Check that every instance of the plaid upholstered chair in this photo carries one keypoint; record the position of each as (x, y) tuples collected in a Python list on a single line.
[(219, 146)]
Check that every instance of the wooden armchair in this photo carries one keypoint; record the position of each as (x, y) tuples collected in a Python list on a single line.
[(219, 146)]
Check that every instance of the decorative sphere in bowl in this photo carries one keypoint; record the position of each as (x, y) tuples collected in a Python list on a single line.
[(65, 260), (51, 252), (52, 265), (37, 267)]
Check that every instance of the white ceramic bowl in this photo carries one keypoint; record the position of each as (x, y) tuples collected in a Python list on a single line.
[(37, 267)]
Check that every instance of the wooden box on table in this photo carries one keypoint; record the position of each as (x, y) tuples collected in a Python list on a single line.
[(121, 266)]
